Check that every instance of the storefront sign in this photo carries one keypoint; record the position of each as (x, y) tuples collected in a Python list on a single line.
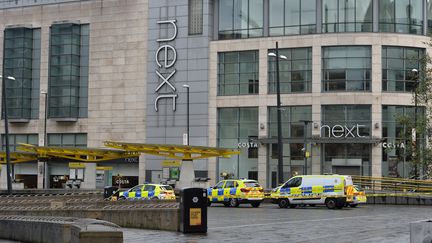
[(247, 145), (393, 145), (171, 163), (75, 165), (165, 73), (341, 131)]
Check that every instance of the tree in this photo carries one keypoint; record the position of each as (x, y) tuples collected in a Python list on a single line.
[(418, 148)]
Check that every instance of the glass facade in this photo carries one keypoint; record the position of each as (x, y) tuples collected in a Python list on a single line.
[(397, 66), (293, 131), (78, 140), (238, 73), (245, 18), (396, 155), (238, 126), (295, 73), (18, 63), (292, 17), (68, 70), (401, 16), (195, 17), (346, 68), (16, 139), (345, 126), (429, 16), (240, 19), (347, 16)]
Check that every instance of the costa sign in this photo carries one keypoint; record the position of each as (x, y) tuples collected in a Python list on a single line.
[(166, 66)]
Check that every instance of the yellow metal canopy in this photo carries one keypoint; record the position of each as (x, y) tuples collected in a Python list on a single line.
[(77, 154), (182, 152), (17, 157)]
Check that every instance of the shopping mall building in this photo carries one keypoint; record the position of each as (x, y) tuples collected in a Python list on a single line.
[(102, 70)]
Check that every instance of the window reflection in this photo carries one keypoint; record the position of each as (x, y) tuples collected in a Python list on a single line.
[(295, 73), (401, 16), (347, 15), (240, 19), (347, 68), (238, 73), (397, 65), (292, 17)]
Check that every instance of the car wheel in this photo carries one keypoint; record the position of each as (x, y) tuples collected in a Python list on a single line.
[(233, 202), (255, 204), (353, 205), (331, 203), (283, 203)]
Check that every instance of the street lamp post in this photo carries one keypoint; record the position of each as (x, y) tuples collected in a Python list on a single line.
[(186, 86), (279, 116), (415, 133), (45, 165), (306, 122), (8, 162)]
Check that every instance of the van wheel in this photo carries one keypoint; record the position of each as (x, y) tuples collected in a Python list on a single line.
[(255, 204), (208, 203), (331, 203), (292, 205), (283, 203), (353, 205), (233, 202), (226, 204)]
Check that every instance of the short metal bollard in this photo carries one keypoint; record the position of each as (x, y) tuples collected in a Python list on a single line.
[(193, 210)]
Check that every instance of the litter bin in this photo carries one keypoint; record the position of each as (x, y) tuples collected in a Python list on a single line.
[(109, 191), (193, 210)]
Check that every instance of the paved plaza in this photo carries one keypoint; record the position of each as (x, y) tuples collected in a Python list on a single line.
[(269, 223)]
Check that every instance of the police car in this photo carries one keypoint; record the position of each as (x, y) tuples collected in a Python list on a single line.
[(334, 191), (235, 192), (359, 197), (148, 191)]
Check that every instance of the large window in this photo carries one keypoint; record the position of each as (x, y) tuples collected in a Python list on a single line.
[(292, 17), (397, 68), (346, 68), (293, 134), (16, 139), (238, 73), (68, 71), (295, 73), (238, 126), (292, 121), (345, 131), (18, 63), (401, 16), (346, 121), (396, 158), (347, 15), (78, 140), (240, 19)]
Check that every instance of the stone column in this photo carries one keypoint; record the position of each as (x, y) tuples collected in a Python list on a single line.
[(89, 176), (316, 108), (262, 148), (376, 126), (141, 169), (3, 178), (40, 174)]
